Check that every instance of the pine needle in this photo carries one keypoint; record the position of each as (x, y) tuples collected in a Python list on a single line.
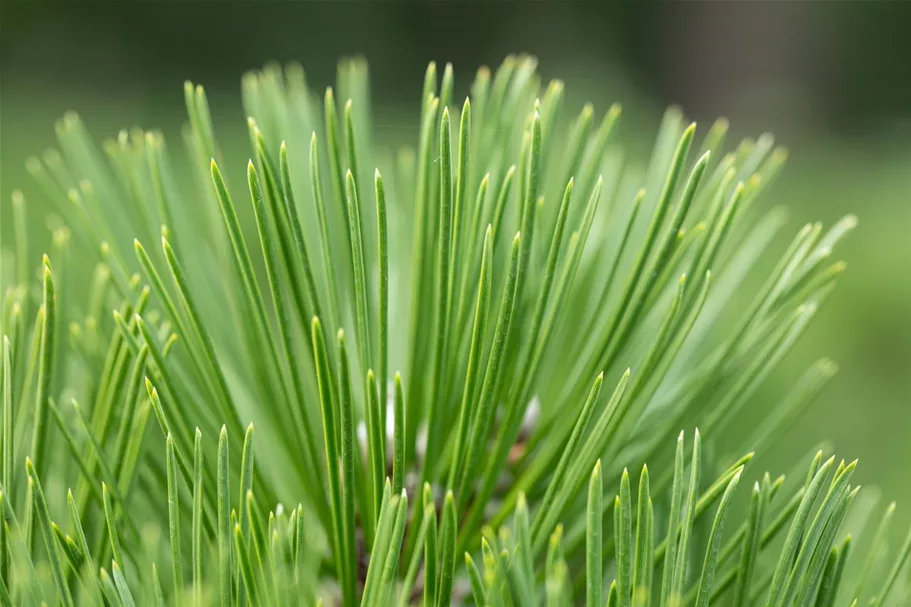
[(498, 429)]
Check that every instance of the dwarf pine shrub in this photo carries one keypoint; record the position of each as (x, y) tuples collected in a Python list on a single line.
[(453, 365)]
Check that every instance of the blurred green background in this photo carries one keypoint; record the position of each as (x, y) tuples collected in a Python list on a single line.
[(830, 80)]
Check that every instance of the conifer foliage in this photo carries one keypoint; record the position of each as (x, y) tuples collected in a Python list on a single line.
[(465, 371)]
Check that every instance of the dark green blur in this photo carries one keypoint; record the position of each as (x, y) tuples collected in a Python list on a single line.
[(830, 80)]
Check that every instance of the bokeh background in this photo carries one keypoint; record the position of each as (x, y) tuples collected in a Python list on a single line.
[(830, 80)]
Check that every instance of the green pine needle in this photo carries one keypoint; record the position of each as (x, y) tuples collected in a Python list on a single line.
[(634, 269)]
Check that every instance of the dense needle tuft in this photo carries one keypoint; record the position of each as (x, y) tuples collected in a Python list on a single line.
[(457, 352)]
